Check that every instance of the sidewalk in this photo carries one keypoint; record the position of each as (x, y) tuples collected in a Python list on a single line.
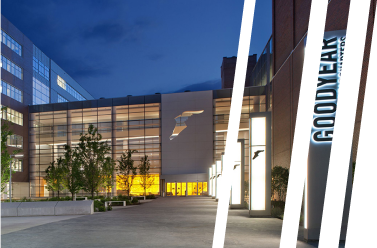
[(163, 222)]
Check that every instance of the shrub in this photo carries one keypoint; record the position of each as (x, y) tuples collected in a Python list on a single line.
[(151, 197), (109, 208), (128, 202), (279, 182), (99, 206), (277, 212), (135, 201), (67, 198), (26, 200)]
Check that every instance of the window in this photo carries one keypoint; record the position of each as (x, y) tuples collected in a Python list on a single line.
[(11, 91), (11, 67), (12, 116), (41, 93), (15, 140), (40, 68), (61, 99), (11, 43), (63, 84), (18, 165)]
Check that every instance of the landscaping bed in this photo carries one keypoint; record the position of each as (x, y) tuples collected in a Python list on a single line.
[(99, 203), (278, 210)]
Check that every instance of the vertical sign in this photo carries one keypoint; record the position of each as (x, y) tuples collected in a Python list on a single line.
[(322, 132), (260, 164)]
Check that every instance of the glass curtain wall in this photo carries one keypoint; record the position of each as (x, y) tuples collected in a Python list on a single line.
[(135, 127), (221, 112)]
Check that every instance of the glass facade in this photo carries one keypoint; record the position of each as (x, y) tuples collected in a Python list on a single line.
[(61, 99), (41, 63), (11, 43), (18, 165), (253, 101), (41, 93), (262, 72), (63, 84), (124, 127), (11, 67), (189, 188), (12, 116), (15, 140), (11, 91)]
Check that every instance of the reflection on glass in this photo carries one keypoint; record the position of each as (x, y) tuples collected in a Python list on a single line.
[(194, 188), (173, 189), (179, 188), (200, 186), (183, 188)]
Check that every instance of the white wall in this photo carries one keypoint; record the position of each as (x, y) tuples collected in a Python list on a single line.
[(191, 151)]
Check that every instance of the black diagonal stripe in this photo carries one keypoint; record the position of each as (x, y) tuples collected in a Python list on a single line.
[(343, 128), (234, 120), (303, 124)]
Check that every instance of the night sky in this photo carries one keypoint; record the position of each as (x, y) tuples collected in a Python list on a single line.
[(115, 48)]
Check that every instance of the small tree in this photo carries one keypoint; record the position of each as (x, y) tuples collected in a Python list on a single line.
[(127, 170), (108, 174), (53, 177), (71, 171), (279, 182), (91, 153), (6, 157), (146, 178)]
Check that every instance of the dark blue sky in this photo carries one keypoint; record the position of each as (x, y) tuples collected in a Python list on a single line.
[(115, 48)]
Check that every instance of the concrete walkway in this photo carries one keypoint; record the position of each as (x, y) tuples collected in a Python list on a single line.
[(164, 222)]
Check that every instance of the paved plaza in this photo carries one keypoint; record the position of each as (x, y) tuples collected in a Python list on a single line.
[(164, 222)]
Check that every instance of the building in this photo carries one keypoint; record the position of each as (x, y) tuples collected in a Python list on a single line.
[(152, 125), (228, 68), (29, 77), (184, 133)]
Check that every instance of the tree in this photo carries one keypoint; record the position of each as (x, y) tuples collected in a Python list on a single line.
[(127, 170), (6, 157), (146, 178), (71, 171), (108, 174), (54, 175), (279, 182), (91, 153)]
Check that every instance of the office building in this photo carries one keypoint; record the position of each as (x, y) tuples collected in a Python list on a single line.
[(29, 77)]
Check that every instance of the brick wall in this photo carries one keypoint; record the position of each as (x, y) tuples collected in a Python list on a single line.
[(290, 23), (228, 68)]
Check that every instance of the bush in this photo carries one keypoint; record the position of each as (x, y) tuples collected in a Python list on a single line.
[(151, 197), (135, 201), (128, 202), (67, 198), (26, 200), (99, 206), (278, 204), (109, 208), (279, 182), (277, 212)]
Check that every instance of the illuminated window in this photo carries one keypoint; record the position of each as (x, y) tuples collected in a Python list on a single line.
[(137, 188), (15, 140), (12, 116), (17, 165), (11, 91), (11, 67), (11, 43), (63, 84), (41, 63)]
